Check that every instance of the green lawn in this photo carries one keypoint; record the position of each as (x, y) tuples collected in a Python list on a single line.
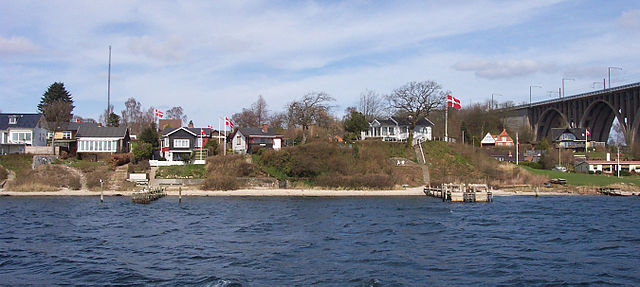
[(582, 179), (182, 171)]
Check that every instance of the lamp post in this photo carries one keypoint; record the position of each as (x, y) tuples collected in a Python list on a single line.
[(492, 105), (565, 79), (532, 86), (609, 69)]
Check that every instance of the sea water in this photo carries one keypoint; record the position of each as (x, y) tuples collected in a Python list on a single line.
[(299, 241)]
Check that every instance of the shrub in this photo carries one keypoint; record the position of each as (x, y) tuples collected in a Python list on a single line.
[(379, 181), (220, 183), (142, 151), (139, 167), (93, 177), (230, 165), (119, 159)]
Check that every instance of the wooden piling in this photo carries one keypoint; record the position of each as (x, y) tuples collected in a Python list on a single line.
[(101, 192), (180, 194)]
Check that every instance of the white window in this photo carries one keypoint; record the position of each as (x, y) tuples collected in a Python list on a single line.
[(504, 139), (21, 136), (199, 142), (109, 146), (66, 135), (166, 142), (181, 143), (49, 135), (13, 120), (238, 140)]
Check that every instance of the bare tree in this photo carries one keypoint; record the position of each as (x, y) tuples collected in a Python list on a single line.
[(176, 113), (246, 118), (416, 100), (131, 113), (371, 104), (260, 110), (313, 108), (56, 115)]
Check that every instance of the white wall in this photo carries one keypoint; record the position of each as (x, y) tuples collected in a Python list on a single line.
[(277, 144), (241, 146)]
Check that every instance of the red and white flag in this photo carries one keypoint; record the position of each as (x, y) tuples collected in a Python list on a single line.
[(158, 113), (210, 127), (77, 120), (453, 102), (227, 122), (202, 132), (588, 132)]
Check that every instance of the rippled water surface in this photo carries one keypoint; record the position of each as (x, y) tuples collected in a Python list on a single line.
[(398, 241)]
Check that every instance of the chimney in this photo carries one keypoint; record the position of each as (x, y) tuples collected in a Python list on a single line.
[(265, 128), (190, 124), (608, 156)]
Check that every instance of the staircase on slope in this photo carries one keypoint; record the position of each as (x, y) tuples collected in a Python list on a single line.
[(118, 177), (422, 163)]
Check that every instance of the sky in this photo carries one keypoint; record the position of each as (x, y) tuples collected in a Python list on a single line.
[(214, 58)]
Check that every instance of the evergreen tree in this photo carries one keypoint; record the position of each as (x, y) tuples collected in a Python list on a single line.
[(56, 92), (113, 120), (356, 123), (150, 136)]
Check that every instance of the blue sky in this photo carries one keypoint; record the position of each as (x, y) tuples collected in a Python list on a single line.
[(215, 57)]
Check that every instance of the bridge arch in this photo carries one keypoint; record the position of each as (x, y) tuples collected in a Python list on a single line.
[(598, 118), (550, 118)]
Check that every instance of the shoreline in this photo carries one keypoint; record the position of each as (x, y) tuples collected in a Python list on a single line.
[(415, 191)]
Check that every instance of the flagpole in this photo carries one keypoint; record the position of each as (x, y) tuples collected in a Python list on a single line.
[(517, 146), (446, 120), (218, 132), (225, 137)]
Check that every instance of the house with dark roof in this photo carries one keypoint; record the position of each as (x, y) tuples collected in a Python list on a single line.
[(249, 140), (397, 129), (65, 134), (102, 140), (179, 144), (570, 138), (18, 131)]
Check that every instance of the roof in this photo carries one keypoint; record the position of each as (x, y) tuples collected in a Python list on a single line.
[(256, 132), (169, 123), (73, 126), (194, 131), (392, 121), (488, 139), (579, 133), (102, 132), (612, 162), (29, 121)]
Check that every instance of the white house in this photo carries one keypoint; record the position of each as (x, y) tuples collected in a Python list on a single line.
[(248, 140), (17, 131), (607, 166), (397, 129), (102, 140)]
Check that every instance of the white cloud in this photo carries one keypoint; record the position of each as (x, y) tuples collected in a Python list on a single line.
[(630, 20), (17, 45), (169, 50), (492, 69)]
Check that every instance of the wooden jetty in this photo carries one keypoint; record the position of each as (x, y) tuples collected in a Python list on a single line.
[(461, 192), (146, 196)]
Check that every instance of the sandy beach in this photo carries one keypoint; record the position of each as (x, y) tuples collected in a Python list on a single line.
[(415, 191)]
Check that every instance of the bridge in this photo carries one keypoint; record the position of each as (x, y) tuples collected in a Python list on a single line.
[(595, 111)]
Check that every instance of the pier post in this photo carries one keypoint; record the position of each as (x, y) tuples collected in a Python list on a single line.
[(180, 194), (101, 192)]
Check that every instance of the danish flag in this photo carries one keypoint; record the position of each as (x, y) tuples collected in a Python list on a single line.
[(202, 132), (453, 102), (77, 120), (158, 113), (210, 127), (227, 122), (588, 132)]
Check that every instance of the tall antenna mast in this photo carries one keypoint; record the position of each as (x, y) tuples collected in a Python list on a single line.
[(109, 86)]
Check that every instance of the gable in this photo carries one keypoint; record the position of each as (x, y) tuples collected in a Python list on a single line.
[(181, 134), (167, 132), (488, 139)]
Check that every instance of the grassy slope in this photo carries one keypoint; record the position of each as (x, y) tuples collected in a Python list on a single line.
[(582, 179), (18, 163)]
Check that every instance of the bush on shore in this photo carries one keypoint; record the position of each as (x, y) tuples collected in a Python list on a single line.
[(3, 173), (223, 171)]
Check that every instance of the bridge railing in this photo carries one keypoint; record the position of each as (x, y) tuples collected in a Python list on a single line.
[(588, 94)]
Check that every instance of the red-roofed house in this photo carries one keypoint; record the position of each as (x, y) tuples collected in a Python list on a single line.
[(503, 139)]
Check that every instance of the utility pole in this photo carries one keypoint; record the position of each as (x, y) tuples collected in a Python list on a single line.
[(609, 69), (492, 102), (109, 87), (567, 79), (532, 86)]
